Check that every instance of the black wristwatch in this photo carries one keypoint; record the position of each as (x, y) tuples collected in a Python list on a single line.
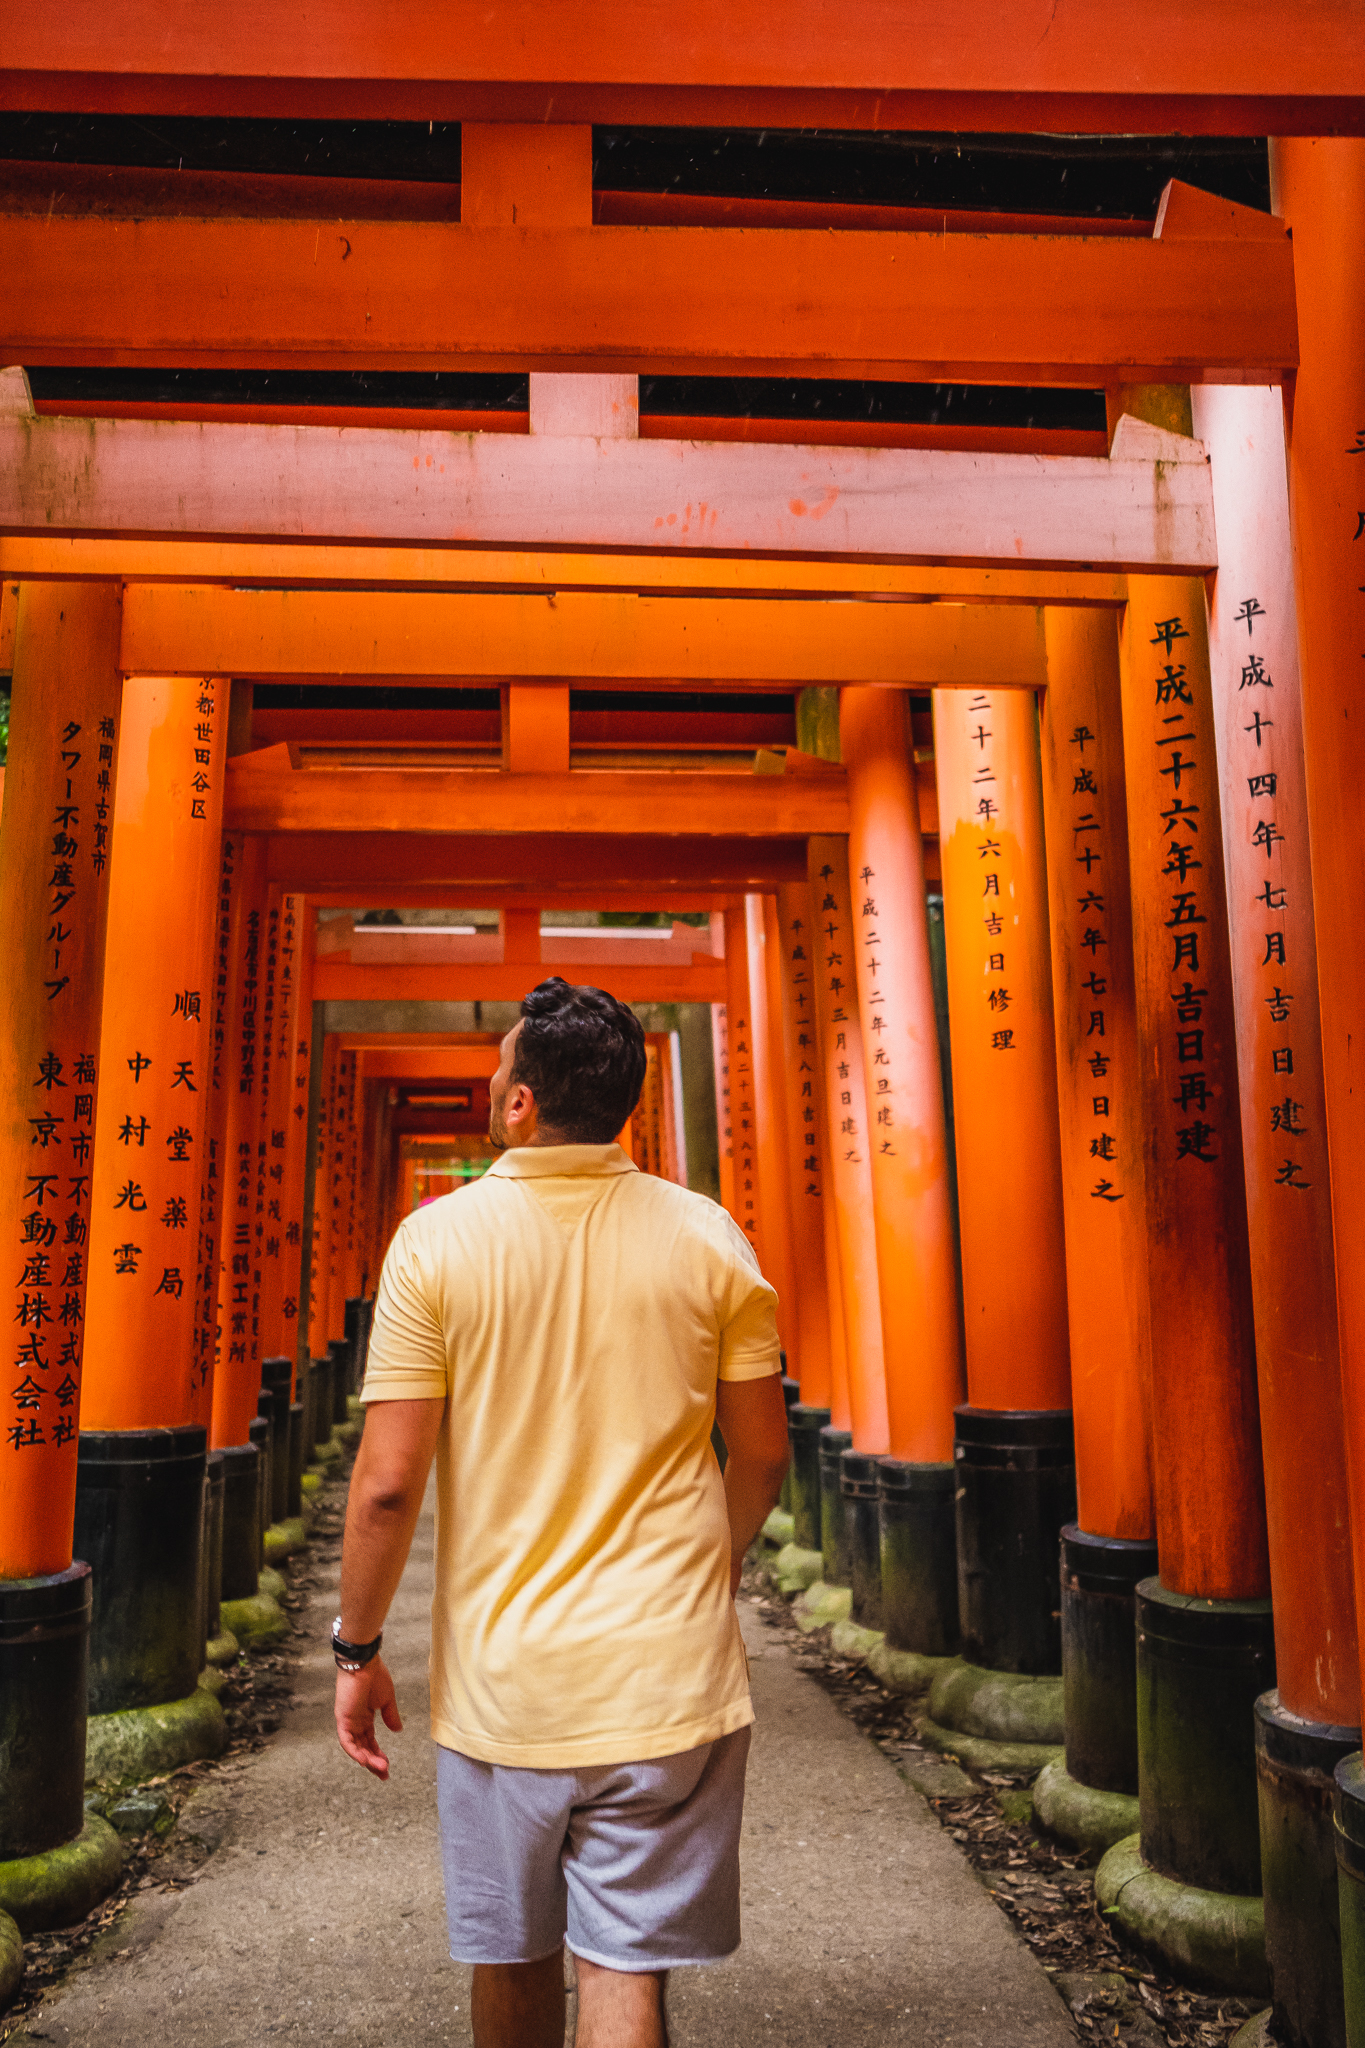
[(353, 1656)]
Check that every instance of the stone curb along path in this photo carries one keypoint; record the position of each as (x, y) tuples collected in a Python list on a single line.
[(320, 1916)]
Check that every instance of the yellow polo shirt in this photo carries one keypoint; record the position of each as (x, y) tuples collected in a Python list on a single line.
[(575, 1314)]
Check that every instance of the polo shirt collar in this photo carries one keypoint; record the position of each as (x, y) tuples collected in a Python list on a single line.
[(531, 1162)]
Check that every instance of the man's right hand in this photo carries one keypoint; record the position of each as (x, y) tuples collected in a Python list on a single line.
[(360, 1696)]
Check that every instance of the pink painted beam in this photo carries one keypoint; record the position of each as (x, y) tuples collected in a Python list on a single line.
[(1146, 507)]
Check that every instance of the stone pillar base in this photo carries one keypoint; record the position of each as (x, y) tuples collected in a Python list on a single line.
[(1214, 1941)]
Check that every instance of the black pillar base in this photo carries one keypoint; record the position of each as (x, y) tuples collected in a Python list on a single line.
[(339, 1351), (356, 1335), (918, 1556), (44, 1672), (140, 1526), (213, 1547), (1201, 1667), (1348, 1810), (1016, 1486), (791, 1394), (295, 1500), (837, 1569), (1295, 1763), (241, 1568), (320, 1379), (259, 1432), (277, 1380), (1100, 1575), (858, 1484), (804, 1425)]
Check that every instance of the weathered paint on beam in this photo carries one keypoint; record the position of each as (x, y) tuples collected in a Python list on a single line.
[(184, 630), (1148, 506), (1282, 67), (411, 800), (337, 565)]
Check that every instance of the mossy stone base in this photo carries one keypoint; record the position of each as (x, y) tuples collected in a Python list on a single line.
[(11, 1959), (779, 1529), (346, 1433), (257, 1620), (1214, 1941), (211, 1680), (355, 1408), (310, 1482), (821, 1605), (792, 1570), (282, 1539), (222, 1649), (999, 1706), (272, 1582), (60, 1886), (848, 1639), (1081, 1814), (905, 1670), (140, 1743), (1255, 2033), (327, 1454), (979, 1754)]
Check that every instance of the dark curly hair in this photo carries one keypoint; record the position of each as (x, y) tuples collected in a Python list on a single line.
[(582, 1055)]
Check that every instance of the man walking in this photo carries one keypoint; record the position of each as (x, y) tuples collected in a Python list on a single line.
[(560, 1335)]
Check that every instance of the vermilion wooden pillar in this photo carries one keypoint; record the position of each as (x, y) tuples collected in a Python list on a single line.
[(277, 1094), (213, 1180), (59, 791), (743, 1100), (237, 1378), (54, 880), (720, 1056), (916, 1255), (1200, 1665), (322, 1202), (1009, 1179), (157, 1041), (1319, 188), (790, 947), (912, 1206), (1314, 1710), (140, 1488), (1111, 1546), (771, 1130), (296, 1130), (848, 1475)]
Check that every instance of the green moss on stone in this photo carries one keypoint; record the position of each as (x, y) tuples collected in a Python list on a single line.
[(311, 1482), (778, 1529), (792, 1570), (1081, 1815), (327, 1454), (821, 1605), (222, 1649), (59, 1887), (211, 1680), (999, 1706), (141, 1742), (11, 1959), (346, 1433), (257, 1620), (1351, 1899), (282, 1539), (978, 1754), (1214, 1941), (847, 1639), (905, 1670), (272, 1582)]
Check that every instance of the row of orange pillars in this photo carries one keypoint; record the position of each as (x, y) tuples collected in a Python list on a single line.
[(1130, 1277), (1107, 985)]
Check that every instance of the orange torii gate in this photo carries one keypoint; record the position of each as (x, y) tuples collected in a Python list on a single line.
[(1234, 318)]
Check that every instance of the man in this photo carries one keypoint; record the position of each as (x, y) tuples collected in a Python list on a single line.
[(561, 1335)]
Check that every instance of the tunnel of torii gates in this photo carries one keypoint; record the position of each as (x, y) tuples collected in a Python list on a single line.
[(1101, 699)]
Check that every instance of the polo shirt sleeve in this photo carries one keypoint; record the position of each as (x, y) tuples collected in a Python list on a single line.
[(749, 1347), (407, 1355)]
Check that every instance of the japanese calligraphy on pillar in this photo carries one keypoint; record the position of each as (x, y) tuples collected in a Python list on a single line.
[(242, 1144), (803, 1071), (1098, 1089), (720, 1059), (52, 895), (261, 1147), (157, 1048)]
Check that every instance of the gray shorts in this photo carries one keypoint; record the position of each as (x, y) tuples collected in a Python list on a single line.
[(637, 1865)]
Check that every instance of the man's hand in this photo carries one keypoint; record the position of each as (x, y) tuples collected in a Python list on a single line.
[(360, 1696)]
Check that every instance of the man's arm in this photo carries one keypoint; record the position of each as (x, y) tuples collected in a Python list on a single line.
[(387, 1485), (752, 1418)]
